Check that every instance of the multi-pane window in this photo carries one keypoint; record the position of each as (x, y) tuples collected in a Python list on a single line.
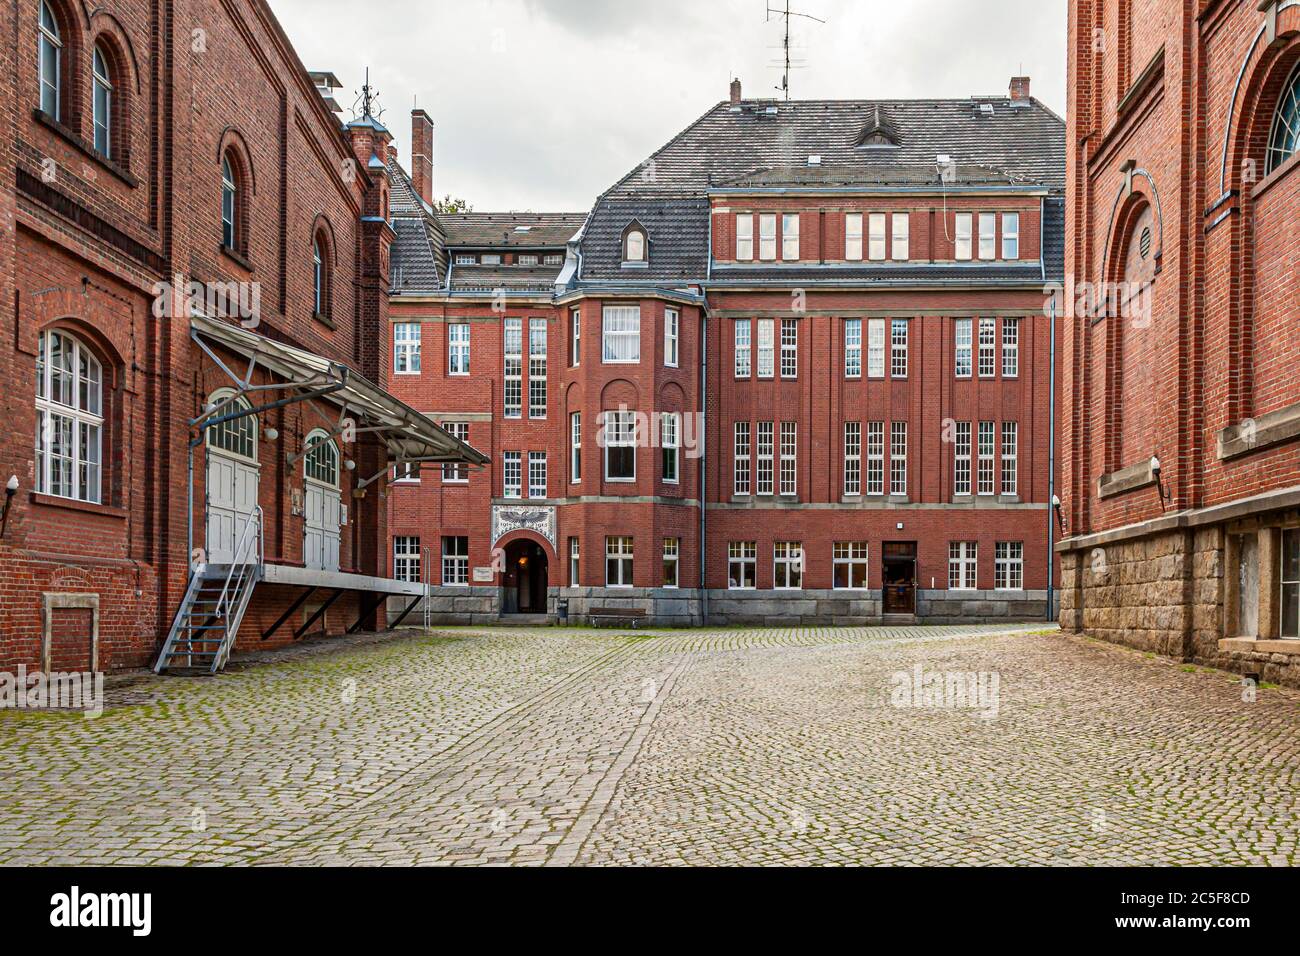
[(876, 237), (230, 224), (235, 435), (1010, 457), (766, 347), (898, 348), (672, 557), (963, 235), (898, 458), (988, 235), (765, 449), (789, 458), (767, 236), (875, 348), (961, 459), (575, 337), (745, 237), (512, 474), (740, 459), (852, 348), (456, 472), (458, 349), (622, 334), (790, 236), (513, 371), (406, 348), (620, 446), (1010, 348), (618, 562), (962, 561), (672, 323), (985, 458), (1011, 235), (406, 559), (575, 447), (962, 360), (536, 368), (742, 565), (852, 458), (787, 565), (850, 561), (789, 348), (853, 236), (70, 419), (1009, 566), (669, 442), (537, 474), (455, 561), (742, 348), (901, 236), (527, 259), (575, 559), (102, 102), (875, 458), (50, 67), (988, 347), (1290, 617)]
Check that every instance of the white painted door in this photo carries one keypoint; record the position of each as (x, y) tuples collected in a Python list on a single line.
[(232, 499), (324, 513)]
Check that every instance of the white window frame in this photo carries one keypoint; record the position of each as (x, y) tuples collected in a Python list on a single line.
[(575, 337), (575, 562), (853, 556), (406, 348), (50, 63), (766, 348), (672, 330), (853, 236), (669, 447), (963, 565), (742, 558), (787, 566), (963, 230), (672, 559), (875, 348), (537, 348), (898, 348), (458, 338), (537, 476), (963, 347), (575, 448), (852, 459), (455, 565), (764, 456), (988, 247), (490, 259), (406, 558), (81, 439), (745, 237), (1011, 235), (102, 83), (512, 474), (988, 345), (985, 449), (789, 348), (621, 335), (1010, 348), (900, 237), (1009, 566), (620, 431), (877, 237), (790, 237), (455, 473), (1010, 458), (767, 237), (898, 458), (743, 348), (740, 460), (875, 483), (961, 461), (513, 368), (789, 481), (619, 558), (852, 348)]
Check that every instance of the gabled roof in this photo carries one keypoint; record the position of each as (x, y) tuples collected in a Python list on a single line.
[(539, 230)]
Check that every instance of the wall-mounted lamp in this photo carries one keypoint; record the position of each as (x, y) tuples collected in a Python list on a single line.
[(350, 465), (11, 489), (271, 434), (1060, 514), (1160, 488)]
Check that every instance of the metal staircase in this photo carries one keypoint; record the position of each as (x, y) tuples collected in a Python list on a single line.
[(207, 622)]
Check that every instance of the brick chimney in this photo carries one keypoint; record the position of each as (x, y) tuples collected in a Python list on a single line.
[(735, 92), (422, 154), (1020, 89)]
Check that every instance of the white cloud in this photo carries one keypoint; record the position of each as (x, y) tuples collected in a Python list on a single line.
[(541, 104)]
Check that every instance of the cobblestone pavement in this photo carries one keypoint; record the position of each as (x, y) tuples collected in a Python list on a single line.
[(684, 747)]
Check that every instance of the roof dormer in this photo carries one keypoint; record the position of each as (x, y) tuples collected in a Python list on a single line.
[(879, 131)]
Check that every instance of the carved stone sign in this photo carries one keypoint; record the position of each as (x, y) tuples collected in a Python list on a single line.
[(539, 519)]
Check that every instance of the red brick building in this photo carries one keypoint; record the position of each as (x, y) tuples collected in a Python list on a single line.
[(1181, 483), (823, 320), (192, 293)]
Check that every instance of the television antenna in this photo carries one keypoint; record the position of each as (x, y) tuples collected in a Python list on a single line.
[(785, 14)]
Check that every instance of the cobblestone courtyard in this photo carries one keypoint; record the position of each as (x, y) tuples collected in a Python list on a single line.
[(697, 747)]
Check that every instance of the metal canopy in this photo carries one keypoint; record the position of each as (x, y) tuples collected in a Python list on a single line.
[(409, 436)]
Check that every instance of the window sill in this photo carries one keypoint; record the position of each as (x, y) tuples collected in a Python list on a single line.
[(236, 258), (1289, 646), (324, 320), (72, 504), (1126, 479), (70, 136)]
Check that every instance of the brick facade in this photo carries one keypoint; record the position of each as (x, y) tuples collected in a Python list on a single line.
[(1170, 183)]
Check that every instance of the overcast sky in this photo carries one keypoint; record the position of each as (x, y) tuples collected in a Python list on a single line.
[(542, 104)]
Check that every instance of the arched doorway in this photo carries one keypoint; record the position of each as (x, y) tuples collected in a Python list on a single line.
[(233, 474), (323, 507), (525, 578)]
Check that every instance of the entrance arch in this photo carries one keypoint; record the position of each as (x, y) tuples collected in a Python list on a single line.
[(525, 579), (233, 474), (322, 502)]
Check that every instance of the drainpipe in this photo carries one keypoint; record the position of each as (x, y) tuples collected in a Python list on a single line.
[(703, 458), (1051, 451)]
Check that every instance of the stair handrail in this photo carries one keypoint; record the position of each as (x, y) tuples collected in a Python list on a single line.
[(252, 523)]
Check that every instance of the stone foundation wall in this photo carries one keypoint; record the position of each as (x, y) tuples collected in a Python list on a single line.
[(959, 607)]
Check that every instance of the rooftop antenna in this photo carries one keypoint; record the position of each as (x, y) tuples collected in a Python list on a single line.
[(786, 14)]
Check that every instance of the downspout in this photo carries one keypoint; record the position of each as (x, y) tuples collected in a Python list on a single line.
[(703, 457), (1051, 453)]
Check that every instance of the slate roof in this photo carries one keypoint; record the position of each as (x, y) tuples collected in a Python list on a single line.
[(544, 230), (767, 144), (478, 278)]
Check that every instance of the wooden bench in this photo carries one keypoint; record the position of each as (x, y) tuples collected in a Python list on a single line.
[(597, 616)]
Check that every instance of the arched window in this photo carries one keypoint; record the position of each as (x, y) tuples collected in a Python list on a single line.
[(321, 462), (229, 205), (634, 245), (69, 418), (1285, 138), (238, 436), (320, 276), (102, 103), (51, 65)]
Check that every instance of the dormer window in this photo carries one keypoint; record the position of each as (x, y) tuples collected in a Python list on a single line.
[(879, 131), (634, 245)]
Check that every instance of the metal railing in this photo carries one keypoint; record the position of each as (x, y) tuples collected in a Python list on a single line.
[(249, 538)]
